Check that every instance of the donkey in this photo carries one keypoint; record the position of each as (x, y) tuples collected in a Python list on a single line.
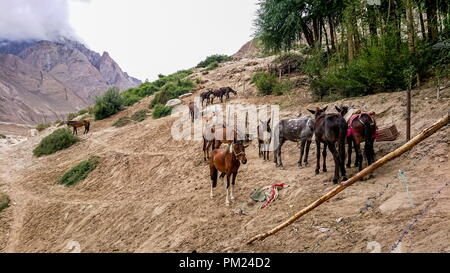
[(206, 96), (193, 111), (227, 161), (264, 138), (361, 127), (79, 123), (329, 129), (212, 123), (221, 92), (296, 130)]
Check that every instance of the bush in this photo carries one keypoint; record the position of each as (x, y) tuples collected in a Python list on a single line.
[(4, 201), (71, 116), (79, 172), (161, 111), (121, 122), (133, 95), (108, 104), (172, 90), (58, 140), (212, 66), (213, 59), (265, 83), (2, 136), (139, 115), (82, 112), (42, 126)]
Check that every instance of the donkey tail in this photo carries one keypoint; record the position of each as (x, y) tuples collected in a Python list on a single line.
[(342, 138), (369, 139)]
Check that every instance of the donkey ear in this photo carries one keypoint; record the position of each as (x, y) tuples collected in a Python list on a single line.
[(268, 121), (325, 108), (312, 111), (338, 109), (246, 146)]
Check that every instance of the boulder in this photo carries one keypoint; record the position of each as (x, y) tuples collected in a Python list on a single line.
[(172, 103), (185, 96)]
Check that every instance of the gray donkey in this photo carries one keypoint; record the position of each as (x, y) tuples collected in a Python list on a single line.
[(296, 130)]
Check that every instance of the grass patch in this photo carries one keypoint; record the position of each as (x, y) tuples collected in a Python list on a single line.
[(4, 201), (79, 172), (210, 60), (121, 122), (58, 140), (42, 126), (161, 111), (139, 115)]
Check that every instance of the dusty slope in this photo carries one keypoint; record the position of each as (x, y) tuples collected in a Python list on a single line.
[(151, 193)]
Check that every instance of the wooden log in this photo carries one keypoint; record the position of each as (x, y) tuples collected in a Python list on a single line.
[(390, 156)]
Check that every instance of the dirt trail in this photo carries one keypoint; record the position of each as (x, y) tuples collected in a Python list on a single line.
[(150, 193)]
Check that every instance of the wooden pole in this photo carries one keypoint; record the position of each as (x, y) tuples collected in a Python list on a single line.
[(399, 151)]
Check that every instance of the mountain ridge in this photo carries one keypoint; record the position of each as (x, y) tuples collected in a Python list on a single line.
[(43, 81)]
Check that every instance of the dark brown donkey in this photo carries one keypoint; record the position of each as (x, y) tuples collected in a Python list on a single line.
[(227, 161), (193, 111), (329, 129), (79, 123), (361, 127)]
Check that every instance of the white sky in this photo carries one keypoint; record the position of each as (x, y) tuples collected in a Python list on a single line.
[(148, 37)]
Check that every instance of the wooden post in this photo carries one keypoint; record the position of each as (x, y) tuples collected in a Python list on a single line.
[(396, 153)]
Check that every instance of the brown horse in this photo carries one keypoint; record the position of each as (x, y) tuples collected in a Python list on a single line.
[(79, 123), (215, 135), (329, 129), (361, 128), (227, 161), (193, 111)]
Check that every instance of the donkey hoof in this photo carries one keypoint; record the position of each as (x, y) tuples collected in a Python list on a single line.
[(299, 165), (344, 178), (335, 181), (317, 171), (324, 170), (227, 204)]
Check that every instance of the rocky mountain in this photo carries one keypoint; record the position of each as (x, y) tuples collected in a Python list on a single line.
[(42, 81)]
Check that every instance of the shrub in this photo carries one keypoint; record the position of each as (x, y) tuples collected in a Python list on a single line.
[(58, 140), (161, 111), (172, 90), (42, 126), (212, 66), (121, 122), (82, 112), (4, 201), (108, 104), (139, 115), (79, 172), (2, 136), (213, 59), (265, 83), (71, 116), (283, 87)]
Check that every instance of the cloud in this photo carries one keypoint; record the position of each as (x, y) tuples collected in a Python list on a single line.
[(35, 19)]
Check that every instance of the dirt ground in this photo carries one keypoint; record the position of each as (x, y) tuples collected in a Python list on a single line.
[(150, 193)]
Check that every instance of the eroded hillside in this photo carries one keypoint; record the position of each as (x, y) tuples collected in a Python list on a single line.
[(150, 193)]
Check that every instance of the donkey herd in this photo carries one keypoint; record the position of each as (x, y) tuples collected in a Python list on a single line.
[(330, 130)]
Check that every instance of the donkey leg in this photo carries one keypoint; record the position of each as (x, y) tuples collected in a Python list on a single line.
[(233, 181), (318, 157), (359, 156), (213, 174), (333, 151), (227, 187), (308, 144), (280, 164), (302, 150), (349, 141), (324, 155)]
